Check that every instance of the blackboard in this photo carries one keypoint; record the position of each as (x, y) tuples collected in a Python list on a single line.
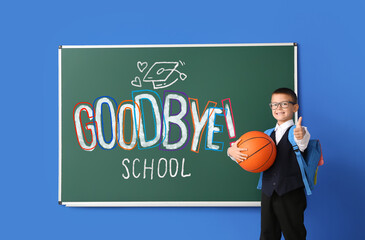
[(149, 125)]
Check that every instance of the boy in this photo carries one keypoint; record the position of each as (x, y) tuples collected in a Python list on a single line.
[(283, 199)]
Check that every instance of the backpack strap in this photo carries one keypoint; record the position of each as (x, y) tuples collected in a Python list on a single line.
[(299, 159), (267, 132)]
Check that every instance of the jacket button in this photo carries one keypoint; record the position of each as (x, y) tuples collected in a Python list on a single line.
[(274, 183)]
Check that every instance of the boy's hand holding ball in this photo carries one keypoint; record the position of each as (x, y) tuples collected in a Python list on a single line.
[(299, 131), (236, 152)]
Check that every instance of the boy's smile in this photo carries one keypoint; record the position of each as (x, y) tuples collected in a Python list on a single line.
[(283, 114)]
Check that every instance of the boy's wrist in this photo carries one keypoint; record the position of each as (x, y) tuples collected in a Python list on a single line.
[(230, 155)]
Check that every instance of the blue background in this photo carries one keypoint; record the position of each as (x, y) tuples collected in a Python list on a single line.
[(331, 87)]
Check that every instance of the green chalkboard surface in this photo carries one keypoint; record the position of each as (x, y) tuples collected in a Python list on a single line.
[(150, 125)]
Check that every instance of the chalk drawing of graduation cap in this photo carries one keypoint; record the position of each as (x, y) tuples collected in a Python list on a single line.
[(164, 74)]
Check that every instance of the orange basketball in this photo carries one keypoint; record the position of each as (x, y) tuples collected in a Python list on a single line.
[(261, 151)]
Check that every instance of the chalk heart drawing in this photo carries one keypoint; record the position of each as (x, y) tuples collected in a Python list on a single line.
[(142, 66), (136, 82)]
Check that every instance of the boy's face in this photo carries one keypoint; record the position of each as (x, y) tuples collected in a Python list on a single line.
[(283, 114)]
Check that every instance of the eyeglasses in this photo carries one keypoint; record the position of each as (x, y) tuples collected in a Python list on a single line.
[(283, 105)]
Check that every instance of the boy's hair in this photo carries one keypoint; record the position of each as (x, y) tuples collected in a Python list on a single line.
[(287, 91)]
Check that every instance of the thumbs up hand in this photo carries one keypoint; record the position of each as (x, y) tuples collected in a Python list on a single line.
[(299, 131)]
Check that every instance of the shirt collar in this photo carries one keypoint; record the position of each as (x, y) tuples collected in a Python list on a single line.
[(284, 126)]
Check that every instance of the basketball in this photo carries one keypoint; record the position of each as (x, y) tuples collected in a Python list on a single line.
[(261, 151)]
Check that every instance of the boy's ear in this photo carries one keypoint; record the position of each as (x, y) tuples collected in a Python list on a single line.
[(296, 107)]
